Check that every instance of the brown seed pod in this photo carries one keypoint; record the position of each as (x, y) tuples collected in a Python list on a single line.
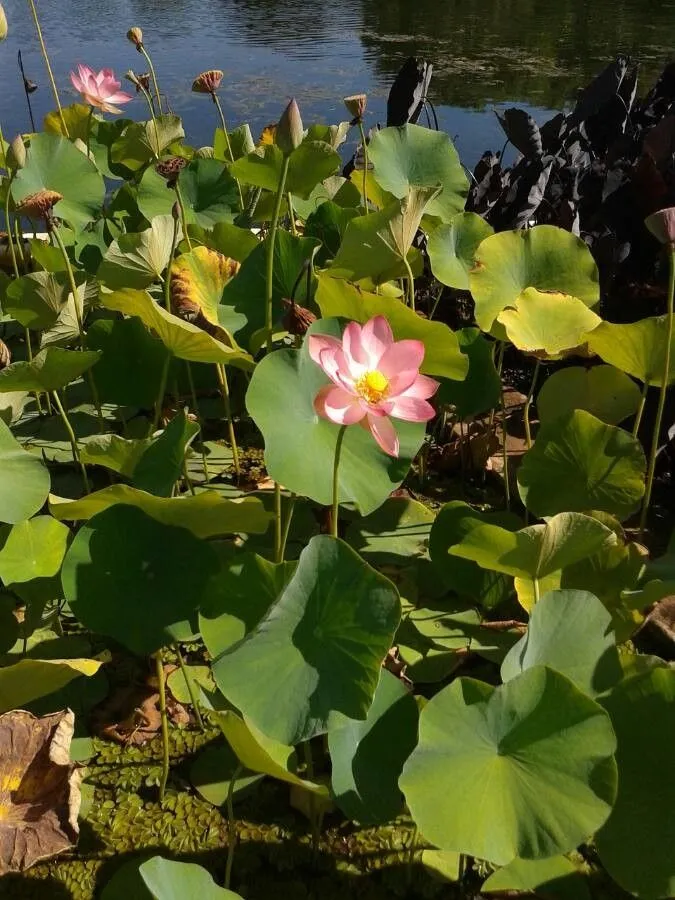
[(297, 319), (356, 105), (170, 169), (208, 82), (5, 355), (135, 35), (39, 205)]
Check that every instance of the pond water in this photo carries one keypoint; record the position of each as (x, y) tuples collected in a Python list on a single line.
[(486, 54)]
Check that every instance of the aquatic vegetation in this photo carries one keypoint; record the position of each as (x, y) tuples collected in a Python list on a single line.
[(283, 638)]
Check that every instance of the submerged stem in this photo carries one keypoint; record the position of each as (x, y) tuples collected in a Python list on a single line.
[(662, 396), (336, 486), (45, 56), (165, 723)]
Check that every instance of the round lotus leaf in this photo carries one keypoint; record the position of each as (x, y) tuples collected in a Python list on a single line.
[(163, 879), (551, 879), (452, 248), (603, 391), (544, 257), (33, 549), (547, 322), (24, 480), (135, 579), (578, 463), (280, 400), (638, 348), (636, 843), (525, 769)]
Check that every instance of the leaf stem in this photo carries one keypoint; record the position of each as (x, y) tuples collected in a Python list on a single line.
[(662, 396), (287, 526), (225, 391), (73, 441), (410, 862), (313, 813), (336, 487), (411, 284), (365, 167), (231, 826), (154, 77), (228, 145), (271, 241), (189, 686), (640, 409), (183, 216), (161, 681), (45, 56), (160, 395), (89, 118), (528, 404), (277, 522)]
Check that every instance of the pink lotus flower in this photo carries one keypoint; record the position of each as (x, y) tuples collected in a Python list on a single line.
[(374, 377), (100, 89)]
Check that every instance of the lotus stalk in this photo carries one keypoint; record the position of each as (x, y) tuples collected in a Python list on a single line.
[(135, 35), (356, 106), (528, 403), (161, 687), (73, 440), (190, 687), (45, 56), (225, 392)]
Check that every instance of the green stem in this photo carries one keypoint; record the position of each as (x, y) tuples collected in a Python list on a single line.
[(505, 451), (10, 236), (411, 284), (154, 77), (336, 487), (189, 686), (662, 396), (228, 145), (18, 237), (411, 855), (151, 106), (535, 582), (183, 216), (277, 522), (291, 214), (231, 826), (167, 279), (287, 527), (271, 241), (365, 167), (225, 391), (89, 118), (45, 56), (73, 441), (528, 404), (641, 409), (160, 395), (313, 812), (161, 681), (193, 397)]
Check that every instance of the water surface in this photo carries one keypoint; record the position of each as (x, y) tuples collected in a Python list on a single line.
[(486, 54)]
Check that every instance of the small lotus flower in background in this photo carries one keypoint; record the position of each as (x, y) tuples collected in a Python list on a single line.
[(208, 82), (356, 106), (290, 130), (135, 35), (39, 205), (3, 23), (662, 225), (99, 89), (375, 379)]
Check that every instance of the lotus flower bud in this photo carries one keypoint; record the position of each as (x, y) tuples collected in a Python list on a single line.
[(290, 131), (39, 205), (3, 23), (662, 225), (297, 319), (356, 105), (208, 82), (5, 355), (16, 155), (135, 35)]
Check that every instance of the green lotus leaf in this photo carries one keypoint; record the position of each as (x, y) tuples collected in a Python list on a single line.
[(414, 157), (240, 141), (237, 599), (578, 463), (534, 756), (544, 257), (138, 260), (308, 165), (394, 534), (199, 278), (225, 238), (571, 632), (551, 879), (263, 754), (162, 463), (547, 322), (242, 311), (367, 756), (54, 164), (328, 224), (638, 348), (209, 192), (35, 300), (377, 245), (129, 372), (534, 553), (134, 579), (152, 196), (636, 842), (336, 188), (206, 514), (164, 879), (280, 400), (114, 452), (214, 770), (318, 650), (24, 480), (481, 390), (29, 679), (50, 370), (603, 391), (465, 577), (182, 339), (452, 248), (442, 351), (141, 142), (33, 549)]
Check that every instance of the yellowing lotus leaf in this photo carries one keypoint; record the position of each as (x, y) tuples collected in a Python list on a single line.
[(547, 323), (197, 282)]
